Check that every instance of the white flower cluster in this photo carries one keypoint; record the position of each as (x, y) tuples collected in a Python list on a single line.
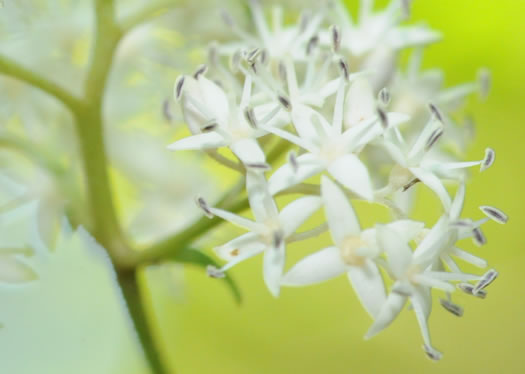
[(330, 89)]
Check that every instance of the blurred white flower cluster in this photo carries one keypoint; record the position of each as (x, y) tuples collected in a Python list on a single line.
[(328, 92)]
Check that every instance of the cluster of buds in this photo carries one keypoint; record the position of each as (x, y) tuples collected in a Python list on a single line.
[(328, 90)]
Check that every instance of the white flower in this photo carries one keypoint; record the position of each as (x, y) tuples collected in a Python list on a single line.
[(330, 148), (413, 165), (208, 108), (268, 233), (414, 280), (354, 251), (279, 41), (372, 41)]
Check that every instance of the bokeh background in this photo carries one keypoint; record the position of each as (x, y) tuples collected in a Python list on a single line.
[(318, 329)]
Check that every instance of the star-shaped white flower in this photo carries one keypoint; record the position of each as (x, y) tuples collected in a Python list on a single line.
[(277, 41), (268, 233), (414, 165), (330, 148), (209, 110), (414, 279), (354, 252), (373, 40)]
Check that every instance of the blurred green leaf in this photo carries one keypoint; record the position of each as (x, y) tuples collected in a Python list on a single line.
[(196, 257)]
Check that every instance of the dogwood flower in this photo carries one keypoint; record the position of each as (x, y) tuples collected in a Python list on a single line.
[(354, 252), (278, 41), (330, 148), (413, 165), (373, 40), (268, 233), (413, 280), (208, 108)]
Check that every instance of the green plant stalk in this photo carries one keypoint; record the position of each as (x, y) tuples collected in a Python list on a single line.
[(12, 69), (129, 283)]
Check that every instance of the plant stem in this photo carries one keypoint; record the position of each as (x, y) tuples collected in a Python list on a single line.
[(12, 69), (152, 10), (171, 245), (129, 283)]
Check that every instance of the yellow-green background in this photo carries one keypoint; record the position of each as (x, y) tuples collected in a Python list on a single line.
[(319, 329)]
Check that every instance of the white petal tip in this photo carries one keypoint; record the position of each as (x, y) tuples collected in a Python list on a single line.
[(214, 272)]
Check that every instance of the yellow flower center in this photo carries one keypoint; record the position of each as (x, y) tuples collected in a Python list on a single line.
[(349, 248)]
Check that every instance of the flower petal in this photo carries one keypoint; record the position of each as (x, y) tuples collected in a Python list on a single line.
[(389, 311), (340, 215), (352, 173), (261, 201), (316, 268), (397, 250), (434, 183), (231, 250), (208, 140), (360, 103), (287, 176), (457, 204), (369, 286), (248, 151), (273, 267), (294, 214), (407, 228)]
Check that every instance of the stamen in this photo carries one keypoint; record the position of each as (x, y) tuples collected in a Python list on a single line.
[(251, 56), (312, 43), (278, 239), (489, 277), (253, 65), (213, 56), (432, 353), (461, 223), (344, 69), (451, 307), (285, 102), (263, 56), (292, 159), (469, 290), (410, 184), (258, 166), (201, 203), (495, 214), (405, 8), (490, 157), (433, 138), (484, 78), (210, 126), (166, 110), (282, 71), (384, 96), (250, 117), (479, 237), (178, 86), (336, 38), (214, 272), (304, 21), (435, 112), (235, 61), (383, 119), (201, 70), (227, 18)]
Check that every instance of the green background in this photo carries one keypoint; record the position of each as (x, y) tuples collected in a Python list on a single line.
[(319, 329)]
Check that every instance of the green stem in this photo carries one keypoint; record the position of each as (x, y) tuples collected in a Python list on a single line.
[(12, 69), (134, 297), (150, 11), (173, 244)]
